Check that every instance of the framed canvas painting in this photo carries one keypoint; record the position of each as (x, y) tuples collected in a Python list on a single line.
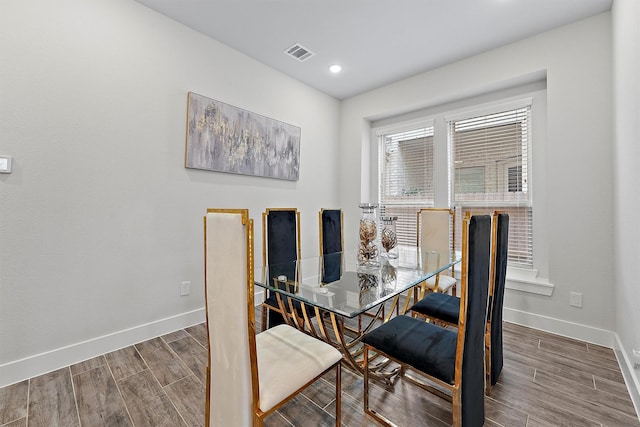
[(224, 138)]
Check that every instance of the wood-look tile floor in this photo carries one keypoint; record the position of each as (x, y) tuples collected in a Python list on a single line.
[(547, 380)]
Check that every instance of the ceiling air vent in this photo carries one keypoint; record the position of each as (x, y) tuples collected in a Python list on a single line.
[(299, 52)]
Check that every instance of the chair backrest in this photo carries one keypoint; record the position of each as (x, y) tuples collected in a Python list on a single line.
[(281, 240), (476, 248), (497, 294), (435, 229), (331, 239), (232, 376)]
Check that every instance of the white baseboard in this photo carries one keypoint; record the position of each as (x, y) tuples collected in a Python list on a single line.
[(39, 364), (560, 327), (629, 373)]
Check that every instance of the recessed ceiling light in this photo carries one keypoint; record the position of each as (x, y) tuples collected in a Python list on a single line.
[(335, 68)]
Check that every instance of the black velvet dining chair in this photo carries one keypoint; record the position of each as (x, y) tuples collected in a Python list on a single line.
[(453, 360), (446, 308), (331, 237), (496, 302), (331, 240), (280, 250)]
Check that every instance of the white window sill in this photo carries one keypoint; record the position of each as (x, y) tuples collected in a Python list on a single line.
[(519, 279), (523, 280)]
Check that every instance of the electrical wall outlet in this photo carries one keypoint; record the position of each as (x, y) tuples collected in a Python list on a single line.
[(185, 288), (575, 299)]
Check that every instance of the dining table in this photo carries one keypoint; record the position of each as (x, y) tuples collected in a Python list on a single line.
[(324, 295)]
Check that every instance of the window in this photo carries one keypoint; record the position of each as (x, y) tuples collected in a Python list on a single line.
[(489, 155), (475, 162), (405, 177)]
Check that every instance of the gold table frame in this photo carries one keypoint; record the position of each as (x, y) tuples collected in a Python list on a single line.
[(330, 322)]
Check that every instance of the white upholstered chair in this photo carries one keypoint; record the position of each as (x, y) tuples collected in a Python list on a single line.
[(436, 234), (249, 376)]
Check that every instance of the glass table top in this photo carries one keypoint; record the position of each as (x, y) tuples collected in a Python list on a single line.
[(335, 282)]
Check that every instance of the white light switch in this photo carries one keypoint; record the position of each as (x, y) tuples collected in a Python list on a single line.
[(5, 164)]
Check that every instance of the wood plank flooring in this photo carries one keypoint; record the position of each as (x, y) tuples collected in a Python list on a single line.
[(547, 380)]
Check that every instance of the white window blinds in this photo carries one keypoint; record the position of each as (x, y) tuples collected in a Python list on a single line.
[(490, 172), (406, 178)]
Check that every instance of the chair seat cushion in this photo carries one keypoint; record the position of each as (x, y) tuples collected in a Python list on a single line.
[(444, 283), (287, 360), (272, 301), (424, 346), (440, 306)]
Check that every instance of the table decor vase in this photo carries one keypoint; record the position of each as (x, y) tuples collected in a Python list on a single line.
[(389, 237), (368, 248)]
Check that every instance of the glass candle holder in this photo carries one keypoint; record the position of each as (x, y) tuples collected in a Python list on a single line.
[(389, 237), (368, 248)]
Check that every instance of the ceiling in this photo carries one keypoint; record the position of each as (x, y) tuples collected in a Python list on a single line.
[(375, 41)]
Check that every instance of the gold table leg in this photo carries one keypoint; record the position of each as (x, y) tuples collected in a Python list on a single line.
[(350, 346)]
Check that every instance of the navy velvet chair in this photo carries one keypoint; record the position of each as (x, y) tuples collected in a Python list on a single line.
[(331, 243), (446, 308), (496, 301), (280, 250), (331, 247), (450, 359)]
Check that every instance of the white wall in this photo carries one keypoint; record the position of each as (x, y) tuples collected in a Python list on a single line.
[(572, 163), (100, 221), (626, 48)]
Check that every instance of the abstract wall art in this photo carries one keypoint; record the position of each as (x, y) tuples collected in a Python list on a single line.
[(224, 138)]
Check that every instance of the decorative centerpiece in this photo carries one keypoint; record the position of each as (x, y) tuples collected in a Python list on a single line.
[(389, 238), (368, 249)]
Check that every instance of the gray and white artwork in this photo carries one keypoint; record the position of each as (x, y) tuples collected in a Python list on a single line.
[(224, 138)]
